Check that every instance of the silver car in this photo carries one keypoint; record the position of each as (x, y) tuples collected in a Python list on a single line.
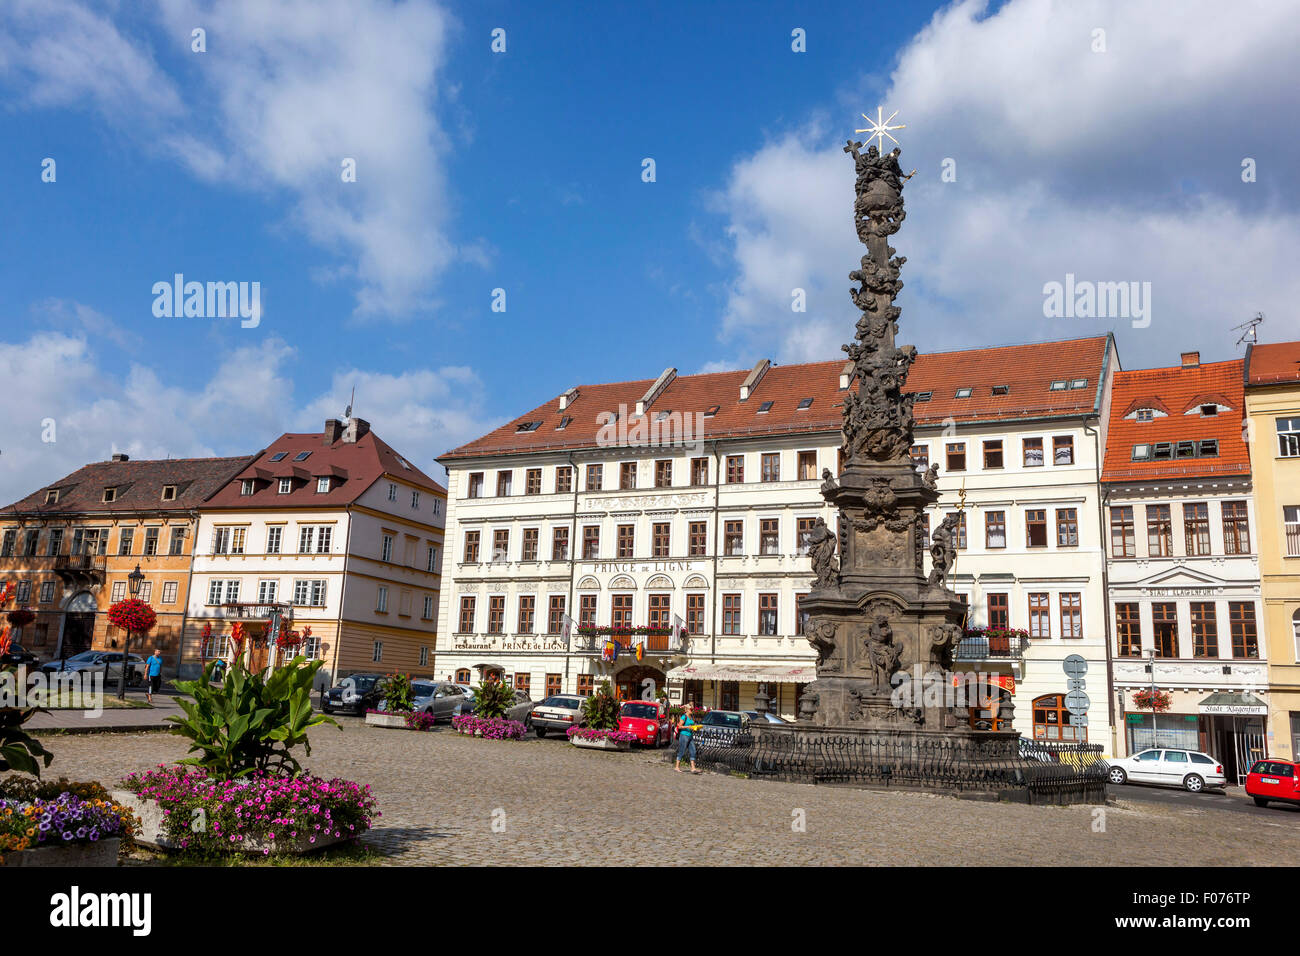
[(558, 712), (443, 700)]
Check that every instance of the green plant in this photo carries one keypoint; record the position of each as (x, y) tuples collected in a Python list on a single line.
[(600, 710), (18, 749), (249, 723), (492, 698), (398, 693)]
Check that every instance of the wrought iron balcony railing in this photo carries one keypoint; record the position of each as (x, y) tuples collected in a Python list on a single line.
[(992, 647)]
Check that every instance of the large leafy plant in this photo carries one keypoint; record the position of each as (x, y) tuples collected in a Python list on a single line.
[(600, 710), (250, 723), (398, 693), (492, 698), (18, 749)]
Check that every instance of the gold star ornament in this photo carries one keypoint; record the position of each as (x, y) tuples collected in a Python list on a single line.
[(879, 128)]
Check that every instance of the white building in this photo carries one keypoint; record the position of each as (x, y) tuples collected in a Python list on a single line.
[(693, 503), (335, 528), (1184, 575)]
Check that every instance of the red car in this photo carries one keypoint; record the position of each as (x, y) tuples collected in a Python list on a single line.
[(648, 719), (1276, 780)]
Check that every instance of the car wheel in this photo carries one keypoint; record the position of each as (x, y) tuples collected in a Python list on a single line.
[(541, 731), (1117, 775), (1260, 801), (1193, 783)]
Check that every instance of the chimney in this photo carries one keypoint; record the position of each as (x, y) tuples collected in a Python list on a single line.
[(356, 427), (120, 456), (1191, 359), (568, 398), (333, 431), (753, 378), (662, 382), (846, 376)]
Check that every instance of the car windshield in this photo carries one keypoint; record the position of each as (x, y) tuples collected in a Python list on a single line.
[(362, 684), (717, 719), (85, 657), (572, 703), (644, 711), (423, 690)]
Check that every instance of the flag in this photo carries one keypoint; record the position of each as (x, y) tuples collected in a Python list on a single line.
[(566, 627), (679, 632)]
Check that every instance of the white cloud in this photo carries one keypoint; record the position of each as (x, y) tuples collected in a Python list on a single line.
[(1115, 166)]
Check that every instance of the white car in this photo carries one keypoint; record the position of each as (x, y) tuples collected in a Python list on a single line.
[(1189, 769)]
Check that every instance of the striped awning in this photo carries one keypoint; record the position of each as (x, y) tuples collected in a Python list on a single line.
[(756, 673)]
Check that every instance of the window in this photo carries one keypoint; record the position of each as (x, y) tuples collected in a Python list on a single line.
[(527, 605), (1121, 532), (431, 559), (1067, 527), (735, 469), (471, 547), (52, 497), (694, 613), (1241, 618), (533, 481), (659, 539), (266, 591), (993, 453), (309, 593), (731, 614), (1052, 720), (1291, 529), (386, 549), (55, 544), (1196, 526), (995, 529), (564, 423), (770, 468), (587, 610), (47, 592), (920, 455), (586, 684), (177, 544), (1141, 452), (1036, 528), (30, 542), (377, 652), (1079, 383), (1071, 614), (322, 484), (1236, 528), (466, 625), (1205, 630), (960, 516), (803, 533), (381, 600), (591, 541), (7, 548), (807, 466), (110, 494), (621, 611), (501, 544), (528, 551), (503, 483), (563, 480), (1164, 628), (697, 539), (475, 487), (1127, 630), (1288, 437), (415, 499), (627, 475), (126, 537), (1145, 414), (595, 477), (768, 535), (625, 546), (286, 486), (699, 471), (733, 538), (956, 456), (302, 456), (169, 592), (273, 535), (660, 611), (1063, 450), (1040, 615), (560, 544), (964, 392), (555, 614), (999, 611), (767, 616), (496, 614), (1033, 452), (664, 473), (1001, 389), (392, 492), (119, 591), (1160, 531)]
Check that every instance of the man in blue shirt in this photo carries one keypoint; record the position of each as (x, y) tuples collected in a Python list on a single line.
[(153, 668)]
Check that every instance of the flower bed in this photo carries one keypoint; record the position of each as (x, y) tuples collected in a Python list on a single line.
[(259, 812), (419, 720), (587, 733), (493, 728), (67, 820)]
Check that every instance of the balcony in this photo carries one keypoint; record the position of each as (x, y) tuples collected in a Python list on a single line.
[(992, 646), (655, 643)]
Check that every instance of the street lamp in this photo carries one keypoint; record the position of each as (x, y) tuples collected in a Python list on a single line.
[(133, 582), (1152, 655)]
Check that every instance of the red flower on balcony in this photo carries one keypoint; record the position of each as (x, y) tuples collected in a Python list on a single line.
[(1157, 700), (132, 615)]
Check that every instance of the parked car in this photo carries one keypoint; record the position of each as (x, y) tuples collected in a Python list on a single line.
[(765, 718), (1274, 780), (558, 712), (16, 655), (443, 700), (354, 694), (648, 719), (721, 727), (108, 663), (519, 710), (1188, 769)]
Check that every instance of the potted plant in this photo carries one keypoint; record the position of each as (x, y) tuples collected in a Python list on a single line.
[(600, 731), (63, 825), (1153, 700), (398, 698)]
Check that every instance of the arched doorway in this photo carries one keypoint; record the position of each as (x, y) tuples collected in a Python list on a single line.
[(78, 624), (630, 682)]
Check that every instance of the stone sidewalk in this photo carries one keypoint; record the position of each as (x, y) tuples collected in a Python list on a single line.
[(111, 719), (451, 800)]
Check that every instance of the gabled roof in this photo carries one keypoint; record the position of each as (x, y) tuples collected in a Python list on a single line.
[(1176, 387), (1029, 370), (353, 466), (138, 486), (1273, 364)]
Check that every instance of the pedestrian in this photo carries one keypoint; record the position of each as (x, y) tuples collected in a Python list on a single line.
[(686, 742), (153, 669)]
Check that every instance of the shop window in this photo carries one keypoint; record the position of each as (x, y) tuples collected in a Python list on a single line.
[(729, 695), (1052, 720)]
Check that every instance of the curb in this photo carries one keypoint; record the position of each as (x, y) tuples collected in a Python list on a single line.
[(101, 729)]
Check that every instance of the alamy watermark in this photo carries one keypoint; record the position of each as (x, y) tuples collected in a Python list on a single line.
[(79, 689), (658, 429), (212, 300), (1085, 299)]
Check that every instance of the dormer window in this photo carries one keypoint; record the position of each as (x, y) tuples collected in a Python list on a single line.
[(1001, 389), (964, 392), (110, 494), (1162, 451), (1209, 410), (279, 455), (764, 408), (805, 403), (712, 410), (528, 426), (52, 496), (1145, 415), (286, 485), (246, 486), (1141, 452), (302, 456), (1209, 448), (1185, 449), (169, 493), (322, 484), (564, 423)]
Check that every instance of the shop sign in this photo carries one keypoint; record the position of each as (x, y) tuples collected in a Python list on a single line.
[(506, 642), (1241, 710)]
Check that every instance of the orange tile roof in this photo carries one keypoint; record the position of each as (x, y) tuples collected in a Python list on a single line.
[(1029, 370), (1178, 389), (1273, 364)]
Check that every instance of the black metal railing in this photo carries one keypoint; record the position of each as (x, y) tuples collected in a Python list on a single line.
[(991, 648), (1032, 771)]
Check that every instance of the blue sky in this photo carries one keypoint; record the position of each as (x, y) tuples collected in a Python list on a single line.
[(522, 171)]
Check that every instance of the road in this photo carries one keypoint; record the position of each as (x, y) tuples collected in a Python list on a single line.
[(1231, 799)]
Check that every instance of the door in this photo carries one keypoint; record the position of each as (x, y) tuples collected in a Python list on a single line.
[(1174, 767), (77, 632), (1146, 767), (1248, 746)]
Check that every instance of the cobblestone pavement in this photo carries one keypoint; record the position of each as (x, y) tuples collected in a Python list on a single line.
[(555, 804)]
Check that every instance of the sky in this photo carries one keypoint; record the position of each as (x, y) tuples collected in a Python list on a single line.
[(449, 209)]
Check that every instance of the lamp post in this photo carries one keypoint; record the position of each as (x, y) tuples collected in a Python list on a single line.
[(133, 582), (1152, 654)]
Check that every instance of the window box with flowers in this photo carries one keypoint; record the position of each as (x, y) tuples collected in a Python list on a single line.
[(590, 738)]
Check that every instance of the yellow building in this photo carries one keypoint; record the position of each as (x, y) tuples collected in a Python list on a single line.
[(1273, 413)]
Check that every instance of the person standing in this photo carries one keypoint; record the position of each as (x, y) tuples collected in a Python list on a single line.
[(153, 669), (686, 742)]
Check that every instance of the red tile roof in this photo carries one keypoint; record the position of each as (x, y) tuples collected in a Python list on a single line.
[(1028, 370), (138, 486), (1179, 389), (1273, 364), (359, 464)]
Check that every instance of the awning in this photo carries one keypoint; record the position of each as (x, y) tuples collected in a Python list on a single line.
[(489, 667), (1227, 703), (757, 673)]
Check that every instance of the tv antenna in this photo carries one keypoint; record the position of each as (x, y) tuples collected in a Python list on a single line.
[(348, 411), (1248, 328)]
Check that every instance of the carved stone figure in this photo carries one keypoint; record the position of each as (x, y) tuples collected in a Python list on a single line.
[(829, 484), (821, 635), (808, 702), (883, 652), (821, 546), (931, 477), (943, 644), (943, 550)]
